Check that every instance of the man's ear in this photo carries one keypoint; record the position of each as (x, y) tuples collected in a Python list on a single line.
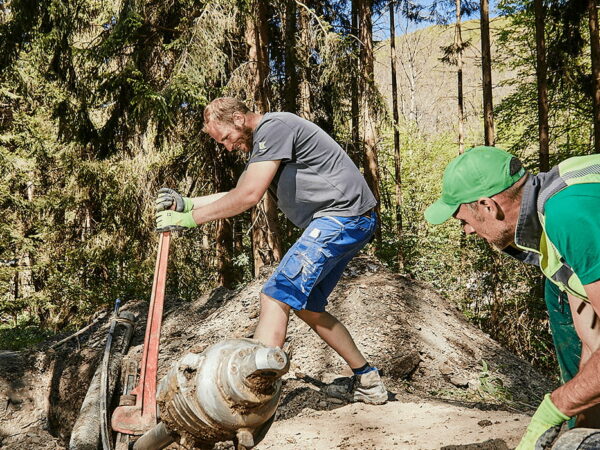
[(239, 119), (490, 208)]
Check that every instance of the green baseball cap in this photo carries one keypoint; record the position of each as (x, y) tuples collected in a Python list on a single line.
[(478, 172)]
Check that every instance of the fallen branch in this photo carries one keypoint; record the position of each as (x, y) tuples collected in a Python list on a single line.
[(83, 330)]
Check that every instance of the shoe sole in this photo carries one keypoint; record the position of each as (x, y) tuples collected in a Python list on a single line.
[(379, 400)]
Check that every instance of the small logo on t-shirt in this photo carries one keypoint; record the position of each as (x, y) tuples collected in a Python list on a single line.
[(262, 145)]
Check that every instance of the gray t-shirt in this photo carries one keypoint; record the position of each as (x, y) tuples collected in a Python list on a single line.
[(316, 177)]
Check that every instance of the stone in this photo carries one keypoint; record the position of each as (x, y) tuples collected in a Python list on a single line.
[(403, 366), (446, 370), (459, 381)]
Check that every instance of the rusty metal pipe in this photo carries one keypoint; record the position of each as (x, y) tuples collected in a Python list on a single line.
[(156, 438)]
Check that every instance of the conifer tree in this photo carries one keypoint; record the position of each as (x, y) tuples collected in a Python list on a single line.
[(266, 239), (542, 86), (595, 56), (486, 69), (368, 125)]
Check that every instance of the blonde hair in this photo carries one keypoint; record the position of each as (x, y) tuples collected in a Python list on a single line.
[(222, 110)]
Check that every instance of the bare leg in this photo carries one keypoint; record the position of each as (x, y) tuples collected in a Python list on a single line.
[(272, 322), (335, 334)]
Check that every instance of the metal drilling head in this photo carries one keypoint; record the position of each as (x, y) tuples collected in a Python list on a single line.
[(269, 358), (231, 389)]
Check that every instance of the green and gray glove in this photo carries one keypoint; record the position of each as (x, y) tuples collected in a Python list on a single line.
[(166, 198), (544, 427), (174, 221)]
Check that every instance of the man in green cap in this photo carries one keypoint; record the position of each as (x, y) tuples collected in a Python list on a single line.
[(551, 220)]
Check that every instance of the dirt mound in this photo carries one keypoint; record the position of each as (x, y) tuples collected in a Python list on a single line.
[(428, 352)]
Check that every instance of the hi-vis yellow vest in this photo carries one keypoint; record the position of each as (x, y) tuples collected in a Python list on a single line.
[(578, 170)]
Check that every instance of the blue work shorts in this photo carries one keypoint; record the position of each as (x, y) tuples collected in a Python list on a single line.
[(314, 264)]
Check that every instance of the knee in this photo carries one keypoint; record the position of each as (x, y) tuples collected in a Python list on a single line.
[(274, 336), (272, 322), (273, 306)]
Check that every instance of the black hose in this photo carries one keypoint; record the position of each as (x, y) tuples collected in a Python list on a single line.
[(104, 430), (86, 432), (126, 319)]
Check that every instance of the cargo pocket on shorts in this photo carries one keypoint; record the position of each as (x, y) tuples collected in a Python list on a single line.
[(304, 267)]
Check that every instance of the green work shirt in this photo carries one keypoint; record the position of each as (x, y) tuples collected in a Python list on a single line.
[(573, 226)]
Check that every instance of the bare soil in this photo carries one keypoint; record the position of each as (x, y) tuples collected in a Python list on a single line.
[(451, 386), (397, 425)]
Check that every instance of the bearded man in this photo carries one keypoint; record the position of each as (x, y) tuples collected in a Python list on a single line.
[(551, 220), (319, 189)]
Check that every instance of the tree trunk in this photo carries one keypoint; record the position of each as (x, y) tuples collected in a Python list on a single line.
[(411, 53), (305, 110), (412, 89), (224, 254), (224, 246), (266, 243), (595, 54), (25, 276), (397, 156), (542, 86), (355, 147), (368, 130), (258, 57), (458, 42), (291, 66), (486, 68)]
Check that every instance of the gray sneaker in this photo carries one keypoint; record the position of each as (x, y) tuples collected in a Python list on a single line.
[(366, 388), (369, 388)]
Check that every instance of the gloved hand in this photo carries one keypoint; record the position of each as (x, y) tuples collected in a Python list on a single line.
[(168, 197), (544, 426), (174, 221)]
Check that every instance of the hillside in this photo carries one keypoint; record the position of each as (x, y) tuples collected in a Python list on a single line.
[(427, 87), (449, 383)]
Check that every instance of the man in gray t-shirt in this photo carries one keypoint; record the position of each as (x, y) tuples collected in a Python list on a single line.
[(319, 189), (316, 178)]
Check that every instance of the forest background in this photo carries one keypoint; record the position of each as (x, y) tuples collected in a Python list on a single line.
[(101, 104)]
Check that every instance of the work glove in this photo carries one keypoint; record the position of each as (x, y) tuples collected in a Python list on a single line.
[(544, 427), (168, 197), (174, 221)]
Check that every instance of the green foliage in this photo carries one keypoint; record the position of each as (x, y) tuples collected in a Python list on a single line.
[(101, 103), (93, 120), (21, 336), (492, 387), (500, 295), (569, 85)]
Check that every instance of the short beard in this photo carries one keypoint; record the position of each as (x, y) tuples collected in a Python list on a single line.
[(247, 137), (501, 239)]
